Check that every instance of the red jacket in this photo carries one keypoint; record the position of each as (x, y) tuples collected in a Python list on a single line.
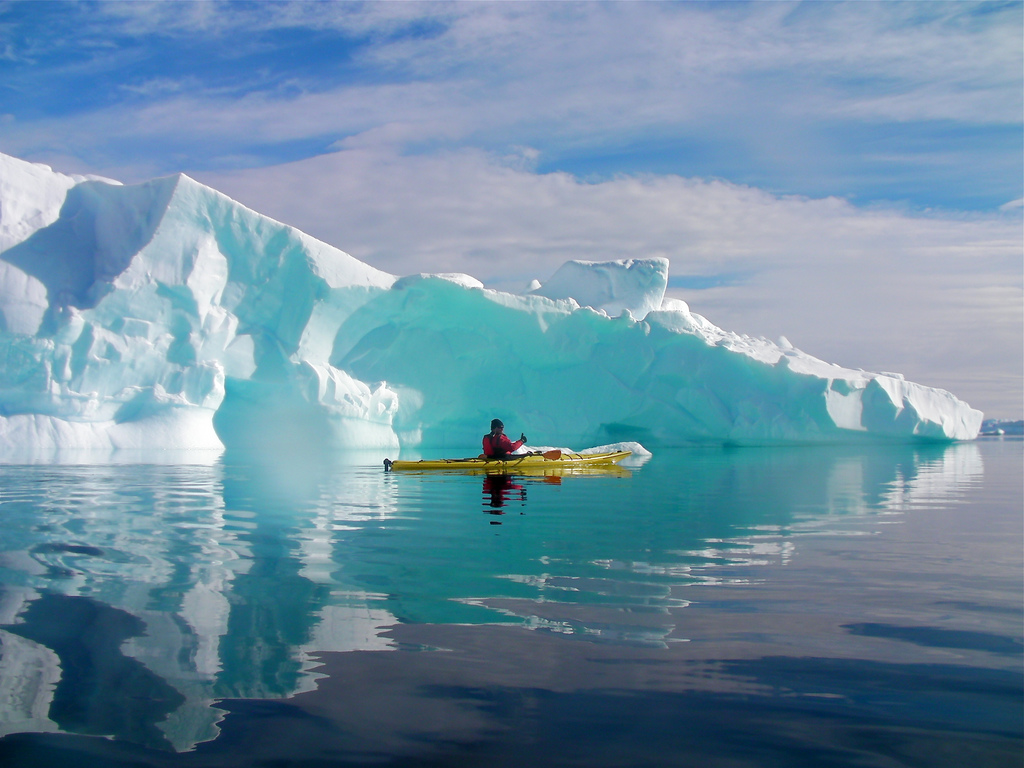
[(500, 445)]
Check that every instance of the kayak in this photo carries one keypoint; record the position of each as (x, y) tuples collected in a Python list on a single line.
[(516, 463)]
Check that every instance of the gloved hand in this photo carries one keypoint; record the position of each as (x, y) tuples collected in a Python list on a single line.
[(522, 437)]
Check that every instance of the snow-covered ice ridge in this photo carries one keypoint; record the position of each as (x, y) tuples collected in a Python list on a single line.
[(166, 315)]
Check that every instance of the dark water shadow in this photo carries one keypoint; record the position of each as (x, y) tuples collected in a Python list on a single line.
[(101, 691)]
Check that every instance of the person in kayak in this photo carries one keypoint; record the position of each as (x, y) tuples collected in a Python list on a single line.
[(496, 442)]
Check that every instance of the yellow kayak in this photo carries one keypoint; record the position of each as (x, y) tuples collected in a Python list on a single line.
[(524, 462)]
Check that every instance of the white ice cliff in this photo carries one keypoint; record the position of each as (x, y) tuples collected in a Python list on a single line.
[(166, 315)]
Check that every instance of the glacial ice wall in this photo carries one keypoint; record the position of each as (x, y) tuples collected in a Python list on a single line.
[(167, 315)]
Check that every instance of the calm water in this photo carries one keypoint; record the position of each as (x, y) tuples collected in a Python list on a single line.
[(748, 607)]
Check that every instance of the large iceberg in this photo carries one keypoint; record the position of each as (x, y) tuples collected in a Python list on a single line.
[(166, 315)]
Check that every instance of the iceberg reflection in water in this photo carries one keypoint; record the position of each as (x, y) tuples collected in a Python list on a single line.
[(144, 601)]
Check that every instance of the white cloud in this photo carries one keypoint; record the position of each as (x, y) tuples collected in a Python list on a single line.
[(571, 73)]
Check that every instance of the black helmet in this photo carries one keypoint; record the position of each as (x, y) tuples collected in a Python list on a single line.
[(495, 423)]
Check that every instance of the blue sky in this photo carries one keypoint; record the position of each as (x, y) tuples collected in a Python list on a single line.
[(847, 174), (780, 123)]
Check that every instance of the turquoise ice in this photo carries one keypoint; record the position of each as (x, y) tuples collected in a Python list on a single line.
[(165, 314)]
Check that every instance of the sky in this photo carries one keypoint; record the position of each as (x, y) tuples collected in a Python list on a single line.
[(847, 175)]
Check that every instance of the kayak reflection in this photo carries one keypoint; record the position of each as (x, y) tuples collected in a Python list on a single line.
[(499, 490)]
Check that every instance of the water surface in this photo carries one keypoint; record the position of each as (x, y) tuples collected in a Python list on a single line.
[(785, 606)]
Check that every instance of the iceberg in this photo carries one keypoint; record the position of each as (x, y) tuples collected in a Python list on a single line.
[(167, 315)]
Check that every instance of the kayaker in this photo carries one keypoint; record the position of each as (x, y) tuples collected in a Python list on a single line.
[(496, 442)]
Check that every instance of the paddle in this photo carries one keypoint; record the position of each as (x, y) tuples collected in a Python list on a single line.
[(552, 455)]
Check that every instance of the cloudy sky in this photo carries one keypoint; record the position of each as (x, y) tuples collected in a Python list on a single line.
[(848, 175)]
